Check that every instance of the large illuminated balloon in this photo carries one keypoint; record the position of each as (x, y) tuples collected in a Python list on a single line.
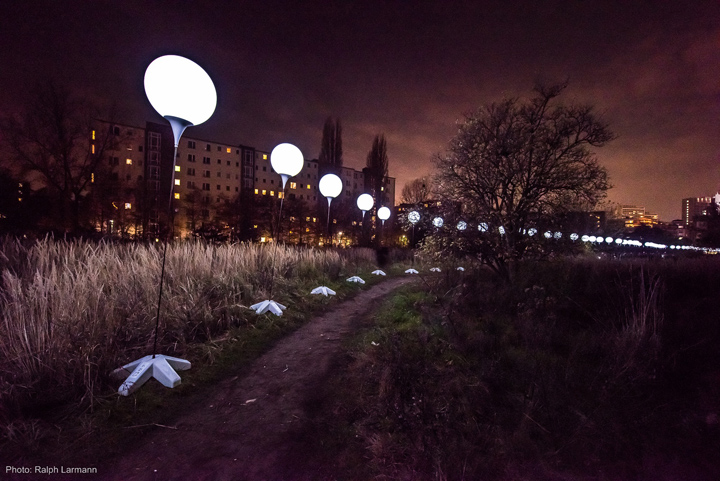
[(330, 186), (286, 160), (365, 203), (179, 88)]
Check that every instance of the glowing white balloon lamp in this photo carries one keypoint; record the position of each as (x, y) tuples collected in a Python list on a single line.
[(330, 187), (413, 217), (182, 92), (462, 225), (287, 160), (438, 222), (383, 214), (365, 202)]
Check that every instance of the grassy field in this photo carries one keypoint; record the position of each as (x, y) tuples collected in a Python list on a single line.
[(72, 312), (583, 369)]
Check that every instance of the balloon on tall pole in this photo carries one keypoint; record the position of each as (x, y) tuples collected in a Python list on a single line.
[(413, 217), (287, 161), (184, 94), (330, 187)]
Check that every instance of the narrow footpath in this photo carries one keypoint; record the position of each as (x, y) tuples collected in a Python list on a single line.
[(240, 430)]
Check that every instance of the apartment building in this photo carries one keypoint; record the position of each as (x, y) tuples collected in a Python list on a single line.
[(214, 184)]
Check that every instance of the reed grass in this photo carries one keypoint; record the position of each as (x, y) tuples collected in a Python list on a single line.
[(71, 312)]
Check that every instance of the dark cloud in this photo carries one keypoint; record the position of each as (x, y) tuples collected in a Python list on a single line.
[(406, 69)]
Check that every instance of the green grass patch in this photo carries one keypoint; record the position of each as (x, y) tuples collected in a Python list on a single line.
[(579, 368)]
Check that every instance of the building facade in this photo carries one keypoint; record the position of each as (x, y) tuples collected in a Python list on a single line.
[(693, 207), (216, 186)]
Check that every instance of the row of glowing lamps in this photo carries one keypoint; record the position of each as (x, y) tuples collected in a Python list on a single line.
[(184, 94), (414, 217)]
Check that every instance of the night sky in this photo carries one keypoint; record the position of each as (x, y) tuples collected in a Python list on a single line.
[(407, 69)]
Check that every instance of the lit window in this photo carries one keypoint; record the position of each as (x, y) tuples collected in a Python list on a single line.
[(308, 186), (293, 185), (307, 219), (177, 181), (307, 229), (383, 188), (177, 168), (93, 135), (229, 150), (128, 205), (128, 161), (255, 226), (256, 191), (264, 156), (280, 195), (177, 196), (272, 193), (314, 219), (264, 192), (92, 177), (93, 148)]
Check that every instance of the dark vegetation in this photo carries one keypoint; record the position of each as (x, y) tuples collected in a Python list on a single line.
[(72, 312), (581, 370)]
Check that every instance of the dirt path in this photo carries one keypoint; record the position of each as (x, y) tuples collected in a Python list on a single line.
[(240, 430)]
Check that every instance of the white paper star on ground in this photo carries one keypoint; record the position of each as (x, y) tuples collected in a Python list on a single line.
[(411, 271), (160, 367), (324, 290), (435, 269), (268, 305), (378, 272), (355, 279)]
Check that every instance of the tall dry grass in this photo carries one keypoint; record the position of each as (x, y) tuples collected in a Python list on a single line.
[(71, 312)]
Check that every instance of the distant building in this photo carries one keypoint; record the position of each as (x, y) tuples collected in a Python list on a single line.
[(636, 216), (215, 184), (693, 207)]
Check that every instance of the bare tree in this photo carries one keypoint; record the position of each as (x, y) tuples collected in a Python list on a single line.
[(330, 159), (54, 138), (416, 191), (515, 165)]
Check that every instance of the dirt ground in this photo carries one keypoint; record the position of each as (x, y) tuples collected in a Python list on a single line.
[(243, 429)]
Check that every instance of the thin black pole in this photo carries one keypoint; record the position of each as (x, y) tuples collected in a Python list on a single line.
[(272, 276), (171, 217)]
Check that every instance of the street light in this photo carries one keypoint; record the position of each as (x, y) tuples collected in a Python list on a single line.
[(184, 94)]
